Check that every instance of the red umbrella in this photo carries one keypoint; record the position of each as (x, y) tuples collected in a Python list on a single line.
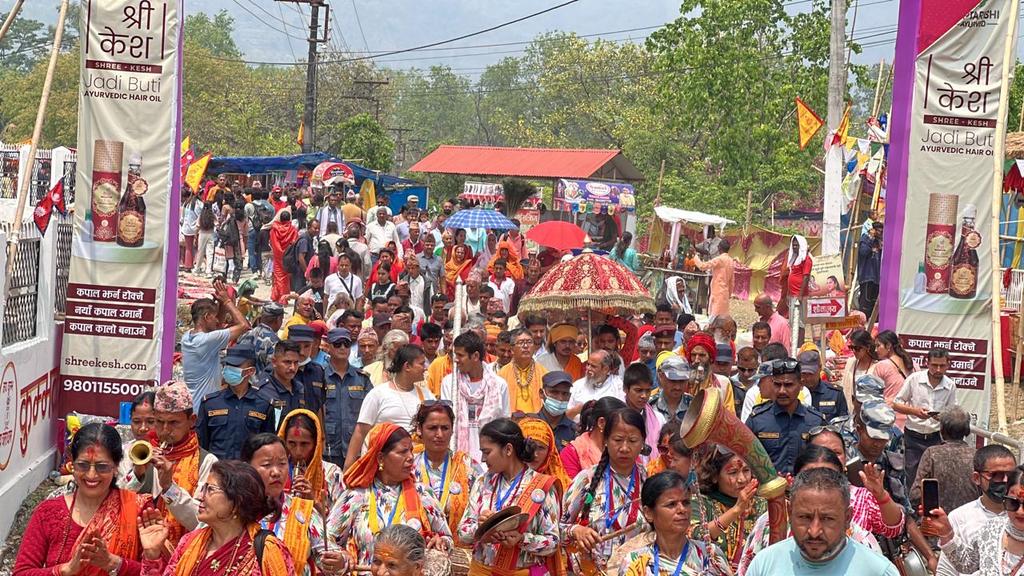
[(558, 235)]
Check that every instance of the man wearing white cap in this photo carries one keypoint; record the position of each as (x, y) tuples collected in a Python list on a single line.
[(179, 468)]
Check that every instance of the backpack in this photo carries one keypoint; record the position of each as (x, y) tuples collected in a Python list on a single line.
[(206, 218), (259, 543), (262, 215), (291, 259)]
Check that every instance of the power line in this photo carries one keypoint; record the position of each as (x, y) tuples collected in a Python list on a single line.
[(253, 14), (360, 24), (404, 50), (264, 10), (290, 47)]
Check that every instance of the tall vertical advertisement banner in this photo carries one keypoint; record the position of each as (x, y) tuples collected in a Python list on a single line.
[(125, 223), (954, 58)]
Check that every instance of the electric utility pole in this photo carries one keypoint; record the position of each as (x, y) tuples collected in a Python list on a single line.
[(315, 39)]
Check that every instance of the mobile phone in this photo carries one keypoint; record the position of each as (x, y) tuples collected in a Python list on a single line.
[(929, 494)]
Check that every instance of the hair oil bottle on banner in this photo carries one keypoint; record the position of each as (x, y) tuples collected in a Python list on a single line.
[(131, 211), (938, 241), (107, 156), (963, 280)]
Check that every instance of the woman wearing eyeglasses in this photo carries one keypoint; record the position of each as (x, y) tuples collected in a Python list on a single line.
[(728, 505), (605, 498), (383, 490), (296, 521), (532, 547), (92, 530), (231, 504), (450, 474), (997, 549)]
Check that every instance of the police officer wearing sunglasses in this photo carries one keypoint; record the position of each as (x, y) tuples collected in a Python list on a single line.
[(783, 425)]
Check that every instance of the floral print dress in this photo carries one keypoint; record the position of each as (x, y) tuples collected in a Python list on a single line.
[(350, 518), (333, 483), (541, 537), (606, 515), (982, 553), (641, 562), (461, 481)]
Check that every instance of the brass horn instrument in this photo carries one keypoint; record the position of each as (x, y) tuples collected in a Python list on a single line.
[(140, 452), (707, 419)]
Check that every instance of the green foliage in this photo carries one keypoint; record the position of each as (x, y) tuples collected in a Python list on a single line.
[(212, 34), (365, 141)]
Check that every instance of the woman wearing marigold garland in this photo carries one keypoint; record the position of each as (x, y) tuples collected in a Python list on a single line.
[(92, 530), (382, 490), (450, 475), (296, 521), (666, 506), (532, 547), (231, 504), (606, 498)]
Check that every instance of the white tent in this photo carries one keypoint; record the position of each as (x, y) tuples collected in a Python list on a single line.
[(678, 217)]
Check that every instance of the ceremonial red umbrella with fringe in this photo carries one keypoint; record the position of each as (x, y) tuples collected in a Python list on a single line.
[(589, 282)]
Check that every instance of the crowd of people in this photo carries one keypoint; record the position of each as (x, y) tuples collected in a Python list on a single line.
[(362, 434)]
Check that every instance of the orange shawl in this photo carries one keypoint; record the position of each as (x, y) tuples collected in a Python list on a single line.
[(514, 267), (116, 522), (275, 559), (655, 466), (186, 475), (314, 472), (526, 400), (539, 431), (574, 367)]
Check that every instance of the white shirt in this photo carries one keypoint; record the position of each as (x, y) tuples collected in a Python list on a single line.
[(351, 285), (386, 404), (967, 519), (582, 392), (416, 287), (504, 291), (371, 214), (377, 236), (918, 392), (472, 410)]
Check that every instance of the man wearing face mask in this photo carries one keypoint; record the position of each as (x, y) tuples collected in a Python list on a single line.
[(555, 391), (227, 417), (992, 466)]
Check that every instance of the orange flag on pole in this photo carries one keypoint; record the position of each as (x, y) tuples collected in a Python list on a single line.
[(301, 139), (808, 122), (196, 172)]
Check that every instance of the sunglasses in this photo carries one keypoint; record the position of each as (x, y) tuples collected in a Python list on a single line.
[(782, 366), (835, 425), (83, 467), (342, 344), (1012, 504), (430, 403)]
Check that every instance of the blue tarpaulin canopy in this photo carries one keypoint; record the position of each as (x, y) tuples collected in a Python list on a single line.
[(264, 164)]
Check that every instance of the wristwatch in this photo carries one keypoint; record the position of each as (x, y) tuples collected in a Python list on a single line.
[(116, 567)]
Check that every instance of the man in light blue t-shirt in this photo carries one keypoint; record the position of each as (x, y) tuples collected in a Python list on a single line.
[(819, 514), (201, 346)]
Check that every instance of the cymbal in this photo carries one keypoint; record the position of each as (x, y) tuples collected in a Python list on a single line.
[(502, 520)]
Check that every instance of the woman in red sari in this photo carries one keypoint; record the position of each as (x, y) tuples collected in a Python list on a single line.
[(282, 235), (231, 504), (91, 531)]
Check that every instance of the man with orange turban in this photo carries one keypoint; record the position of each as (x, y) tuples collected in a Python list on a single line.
[(561, 353)]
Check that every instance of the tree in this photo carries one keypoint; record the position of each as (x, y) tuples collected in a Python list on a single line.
[(25, 44), (365, 141), (212, 34)]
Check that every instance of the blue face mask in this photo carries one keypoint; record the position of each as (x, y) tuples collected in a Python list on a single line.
[(555, 407), (232, 375)]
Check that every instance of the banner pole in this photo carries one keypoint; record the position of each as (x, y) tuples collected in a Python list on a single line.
[(997, 191), (10, 18), (44, 99)]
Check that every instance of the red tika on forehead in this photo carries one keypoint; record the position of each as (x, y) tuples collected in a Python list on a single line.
[(91, 452)]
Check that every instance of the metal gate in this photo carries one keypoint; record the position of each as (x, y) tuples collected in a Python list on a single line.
[(22, 297)]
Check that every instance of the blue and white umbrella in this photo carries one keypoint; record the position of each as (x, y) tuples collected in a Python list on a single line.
[(479, 218)]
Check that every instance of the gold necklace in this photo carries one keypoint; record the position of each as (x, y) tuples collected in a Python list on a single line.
[(524, 388), (215, 564)]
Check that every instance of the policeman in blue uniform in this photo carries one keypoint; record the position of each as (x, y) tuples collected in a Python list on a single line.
[(346, 387), (264, 337), (826, 398), (310, 374), (227, 417), (782, 425), (280, 388)]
